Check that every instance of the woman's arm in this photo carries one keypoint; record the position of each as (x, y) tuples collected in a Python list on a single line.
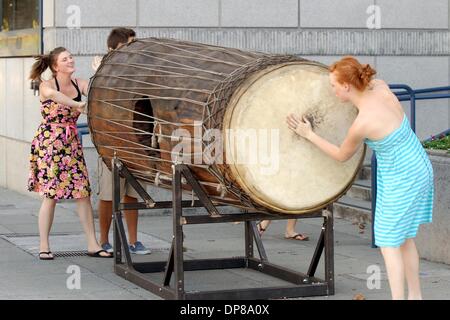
[(348, 147), (47, 92), (83, 85)]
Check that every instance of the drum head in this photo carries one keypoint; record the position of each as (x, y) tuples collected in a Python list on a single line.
[(279, 169)]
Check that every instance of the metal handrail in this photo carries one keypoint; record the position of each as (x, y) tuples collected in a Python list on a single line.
[(412, 97), (427, 97), (419, 94), (83, 129), (428, 90)]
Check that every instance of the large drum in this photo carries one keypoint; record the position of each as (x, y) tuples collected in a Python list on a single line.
[(222, 111)]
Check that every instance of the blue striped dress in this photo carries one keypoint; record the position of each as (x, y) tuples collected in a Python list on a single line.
[(405, 186)]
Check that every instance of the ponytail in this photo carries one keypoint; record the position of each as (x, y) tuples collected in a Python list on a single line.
[(45, 61), (39, 67), (367, 72)]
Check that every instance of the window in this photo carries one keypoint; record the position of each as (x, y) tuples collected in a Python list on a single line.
[(20, 33)]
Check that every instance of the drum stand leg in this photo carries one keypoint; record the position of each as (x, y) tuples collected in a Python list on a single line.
[(120, 238), (301, 284), (177, 242), (251, 232), (325, 241)]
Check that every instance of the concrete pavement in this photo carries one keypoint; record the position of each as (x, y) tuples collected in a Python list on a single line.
[(24, 276)]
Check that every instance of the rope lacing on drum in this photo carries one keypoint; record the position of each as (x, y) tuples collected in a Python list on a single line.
[(192, 198), (222, 189), (100, 173), (156, 138), (159, 177), (157, 181)]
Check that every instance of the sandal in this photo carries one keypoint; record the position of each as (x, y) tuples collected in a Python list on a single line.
[(298, 236), (261, 230), (98, 255), (48, 253)]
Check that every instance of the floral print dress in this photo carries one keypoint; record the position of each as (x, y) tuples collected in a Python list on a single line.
[(57, 166)]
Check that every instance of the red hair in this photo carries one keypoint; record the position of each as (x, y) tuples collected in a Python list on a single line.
[(349, 70)]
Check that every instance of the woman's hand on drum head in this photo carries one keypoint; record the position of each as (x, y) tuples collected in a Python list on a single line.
[(302, 127)]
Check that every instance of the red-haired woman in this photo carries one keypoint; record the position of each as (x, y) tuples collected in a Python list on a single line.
[(57, 166), (404, 175)]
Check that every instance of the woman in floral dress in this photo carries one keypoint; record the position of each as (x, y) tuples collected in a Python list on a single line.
[(57, 166)]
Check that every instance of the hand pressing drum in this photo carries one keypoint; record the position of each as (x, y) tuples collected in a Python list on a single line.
[(81, 107), (96, 62), (302, 127)]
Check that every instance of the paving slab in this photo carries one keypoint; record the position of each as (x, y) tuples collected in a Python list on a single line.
[(24, 276)]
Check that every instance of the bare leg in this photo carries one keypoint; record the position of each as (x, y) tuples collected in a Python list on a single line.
[(411, 261), (263, 225), (290, 231), (131, 217), (105, 218), (395, 270), (87, 221), (290, 228), (46, 215)]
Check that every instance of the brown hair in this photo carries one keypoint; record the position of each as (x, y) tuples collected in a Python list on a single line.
[(349, 70), (118, 36), (45, 61)]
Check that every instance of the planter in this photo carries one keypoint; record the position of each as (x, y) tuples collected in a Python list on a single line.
[(433, 239)]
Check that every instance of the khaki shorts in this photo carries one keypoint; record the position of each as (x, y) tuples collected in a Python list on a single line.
[(105, 185)]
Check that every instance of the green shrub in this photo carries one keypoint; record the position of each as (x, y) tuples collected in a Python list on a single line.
[(440, 143)]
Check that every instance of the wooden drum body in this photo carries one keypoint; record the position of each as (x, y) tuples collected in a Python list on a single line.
[(222, 111)]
